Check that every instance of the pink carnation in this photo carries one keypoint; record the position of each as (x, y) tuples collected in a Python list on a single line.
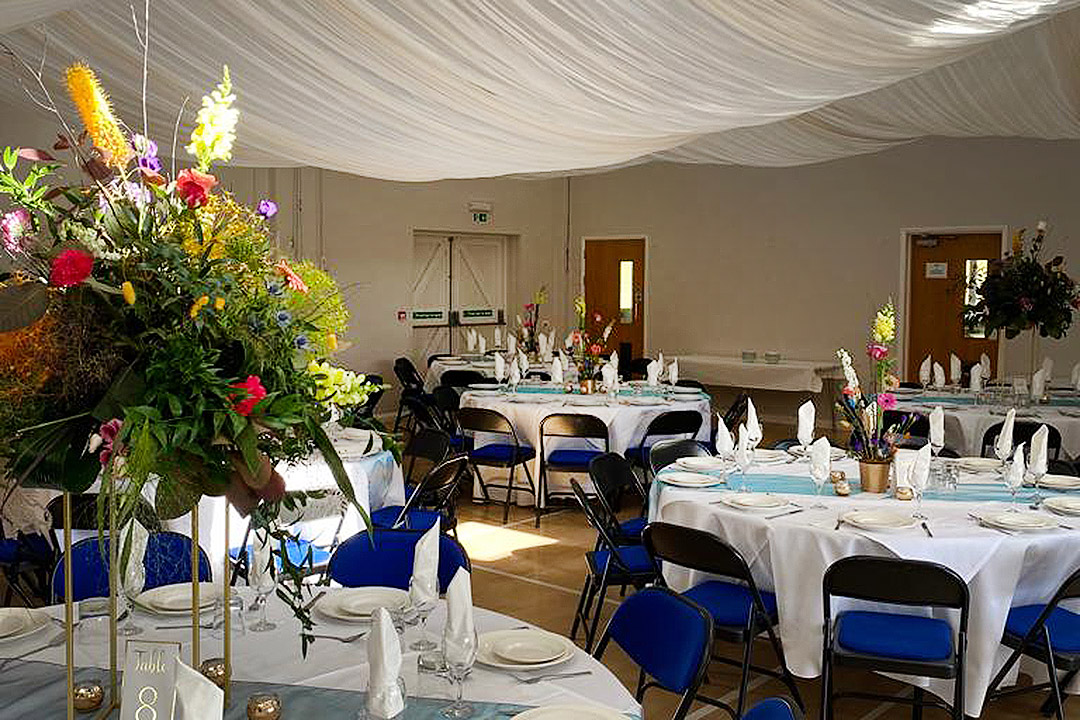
[(877, 351), (13, 227)]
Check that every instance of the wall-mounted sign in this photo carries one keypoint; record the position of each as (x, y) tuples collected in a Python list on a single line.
[(477, 315), (149, 686), (422, 317), (481, 211), (937, 270)]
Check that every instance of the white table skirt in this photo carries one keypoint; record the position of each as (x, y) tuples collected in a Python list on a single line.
[(789, 556), (789, 375), (274, 657), (626, 427)]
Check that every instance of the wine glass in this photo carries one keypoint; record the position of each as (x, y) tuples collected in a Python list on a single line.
[(423, 611), (125, 600), (918, 486), (460, 652), (265, 583), (744, 459), (1013, 481), (819, 473)]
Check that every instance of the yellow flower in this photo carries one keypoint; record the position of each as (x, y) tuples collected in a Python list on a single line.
[(215, 126), (1018, 242), (219, 303), (128, 291), (198, 305), (97, 115), (331, 341)]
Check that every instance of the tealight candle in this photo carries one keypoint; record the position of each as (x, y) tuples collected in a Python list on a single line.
[(88, 696), (264, 706)]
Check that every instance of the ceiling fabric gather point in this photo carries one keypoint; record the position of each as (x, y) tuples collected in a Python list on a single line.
[(417, 90)]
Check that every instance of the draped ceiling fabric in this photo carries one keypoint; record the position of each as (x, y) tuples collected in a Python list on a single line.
[(430, 89)]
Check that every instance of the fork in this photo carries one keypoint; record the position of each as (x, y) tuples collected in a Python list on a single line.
[(550, 676), (345, 639)]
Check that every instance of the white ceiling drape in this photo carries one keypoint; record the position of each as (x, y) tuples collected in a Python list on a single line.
[(423, 89)]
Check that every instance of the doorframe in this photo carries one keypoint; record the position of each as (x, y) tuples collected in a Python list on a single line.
[(645, 242), (903, 301)]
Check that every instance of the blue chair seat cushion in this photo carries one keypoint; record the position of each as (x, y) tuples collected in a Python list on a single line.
[(502, 453), (632, 528), (572, 458), (1064, 626), (637, 455), (634, 557), (417, 519), (894, 636), (297, 550), (729, 603), (461, 443), (25, 548), (770, 709)]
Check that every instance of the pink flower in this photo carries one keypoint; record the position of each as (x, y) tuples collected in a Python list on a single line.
[(71, 267), (13, 227), (252, 391), (294, 281), (194, 187), (877, 351), (595, 349), (886, 401), (1026, 305), (108, 432)]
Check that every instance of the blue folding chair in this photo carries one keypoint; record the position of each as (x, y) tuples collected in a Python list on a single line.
[(569, 460), (1050, 634), (774, 708), (167, 562), (26, 561), (437, 491), (668, 637), (384, 558), (666, 424), (895, 642), (611, 476)]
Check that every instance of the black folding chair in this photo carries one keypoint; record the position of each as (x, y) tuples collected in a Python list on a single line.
[(508, 454), (917, 434), (740, 611), (437, 356), (367, 409), (612, 475), (734, 414), (894, 642), (1050, 634), (462, 378), (569, 460), (637, 368), (428, 444), (672, 422), (1023, 430), (432, 502), (666, 452), (412, 384), (609, 565), (688, 382), (448, 402)]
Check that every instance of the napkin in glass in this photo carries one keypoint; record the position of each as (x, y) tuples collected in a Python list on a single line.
[(820, 458), (197, 698), (807, 417), (481, 341), (515, 372), (470, 340), (742, 450), (424, 585), (500, 366), (903, 464), (523, 362), (920, 468), (385, 699), (939, 376), (924, 371), (1048, 368), (725, 444), (134, 577), (984, 360), (660, 362), (956, 369), (459, 608), (975, 383), (652, 373), (1038, 383), (608, 375), (556, 371), (1003, 447), (753, 427), (1038, 463), (261, 556), (498, 337), (673, 372), (614, 360), (937, 426), (511, 343), (1014, 475)]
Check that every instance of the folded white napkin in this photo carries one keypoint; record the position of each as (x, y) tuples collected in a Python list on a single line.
[(753, 427), (820, 458), (939, 376), (470, 339), (956, 369), (459, 612), (924, 371), (937, 426), (511, 343), (1048, 368), (1014, 476), (984, 360), (1038, 383), (743, 451), (541, 344), (608, 375), (500, 366), (547, 343), (903, 462), (424, 584), (614, 360), (197, 698), (523, 362), (515, 373), (568, 343), (384, 667), (1074, 381), (261, 557), (920, 469), (725, 444), (673, 372), (556, 371), (807, 418), (652, 373), (1038, 463), (1004, 445), (975, 382), (481, 341), (498, 337), (660, 362), (565, 360), (135, 572)]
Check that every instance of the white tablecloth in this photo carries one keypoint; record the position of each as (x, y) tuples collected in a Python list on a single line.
[(789, 555), (966, 424), (790, 375), (626, 423), (433, 378), (274, 657)]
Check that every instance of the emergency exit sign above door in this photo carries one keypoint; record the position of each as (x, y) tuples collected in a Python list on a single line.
[(480, 211)]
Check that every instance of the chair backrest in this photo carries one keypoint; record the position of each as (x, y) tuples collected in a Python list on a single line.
[(897, 582), (600, 517), (774, 708), (666, 452), (573, 425), (423, 415), (84, 512), (689, 382), (462, 378), (167, 562), (674, 652), (697, 550), (427, 444), (611, 473), (638, 366), (367, 409), (446, 399), (539, 375), (675, 422), (384, 558), (486, 421), (437, 489), (407, 373), (734, 414), (786, 444), (1022, 432)]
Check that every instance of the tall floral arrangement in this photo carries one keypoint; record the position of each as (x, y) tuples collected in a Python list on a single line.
[(872, 438), (588, 343), (529, 326), (149, 332)]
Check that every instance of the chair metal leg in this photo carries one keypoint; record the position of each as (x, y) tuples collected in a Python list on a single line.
[(639, 693), (479, 479), (509, 495), (535, 489), (541, 495), (601, 595), (1048, 708), (748, 649), (917, 704), (1051, 670), (826, 677), (583, 601)]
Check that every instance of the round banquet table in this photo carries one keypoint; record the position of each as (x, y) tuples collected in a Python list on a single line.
[(433, 378), (966, 422), (626, 423), (329, 680), (789, 554)]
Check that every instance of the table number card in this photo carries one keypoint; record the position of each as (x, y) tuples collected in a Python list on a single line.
[(149, 689)]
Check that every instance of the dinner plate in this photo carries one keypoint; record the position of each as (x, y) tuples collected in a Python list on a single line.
[(834, 453), (1063, 504), (176, 599), (690, 479), (651, 401), (755, 502), (585, 400), (357, 604), (879, 520), (484, 386), (768, 457), (528, 647), (18, 623), (538, 398), (1019, 521), (682, 390), (1059, 482), (485, 393), (979, 464), (485, 653), (569, 712), (701, 463), (453, 361)]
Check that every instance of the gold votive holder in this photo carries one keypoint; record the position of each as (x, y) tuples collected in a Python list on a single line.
[(904, 493), (264, 706), (841, 487), (213, 669), (837, 475), (88, 695)]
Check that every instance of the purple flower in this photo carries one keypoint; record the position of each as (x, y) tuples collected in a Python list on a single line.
[(147, 153), (1026, 305), (267, 208), (13, 226)]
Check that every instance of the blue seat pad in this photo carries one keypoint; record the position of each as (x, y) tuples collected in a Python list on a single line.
[(729, 603), (894, 636), (632, 528), (770, 709), (572, 458), (1063, 624), (634, 557), (419, 519), (297, 552), (501, 453)]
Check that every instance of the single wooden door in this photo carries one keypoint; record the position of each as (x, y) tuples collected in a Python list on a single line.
[(615, 288), (942, 266)]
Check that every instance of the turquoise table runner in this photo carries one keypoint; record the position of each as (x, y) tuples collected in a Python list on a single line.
[(970, 400), (37, 690), (548, 390)]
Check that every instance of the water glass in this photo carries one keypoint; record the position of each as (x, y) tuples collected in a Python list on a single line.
[(424, 644), (460, 653), (236, 619)]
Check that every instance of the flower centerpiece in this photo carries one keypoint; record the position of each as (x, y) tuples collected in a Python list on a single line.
[(588, 343), (1022, 293), (873, 438), (150, 333), (530, 325)]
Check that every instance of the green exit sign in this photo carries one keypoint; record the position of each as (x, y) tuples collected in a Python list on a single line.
[(481, 218)]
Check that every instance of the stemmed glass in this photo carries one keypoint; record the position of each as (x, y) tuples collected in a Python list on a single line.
[(265, 583), (819, 473), (423, 611), (1013, 481), (460, 655), (126, 601), (745, 460), (918, 486)]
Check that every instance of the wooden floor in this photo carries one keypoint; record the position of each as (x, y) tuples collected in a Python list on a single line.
[(536, 575)]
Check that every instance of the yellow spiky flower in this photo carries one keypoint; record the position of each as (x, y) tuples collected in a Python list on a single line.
[(97, 115)]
